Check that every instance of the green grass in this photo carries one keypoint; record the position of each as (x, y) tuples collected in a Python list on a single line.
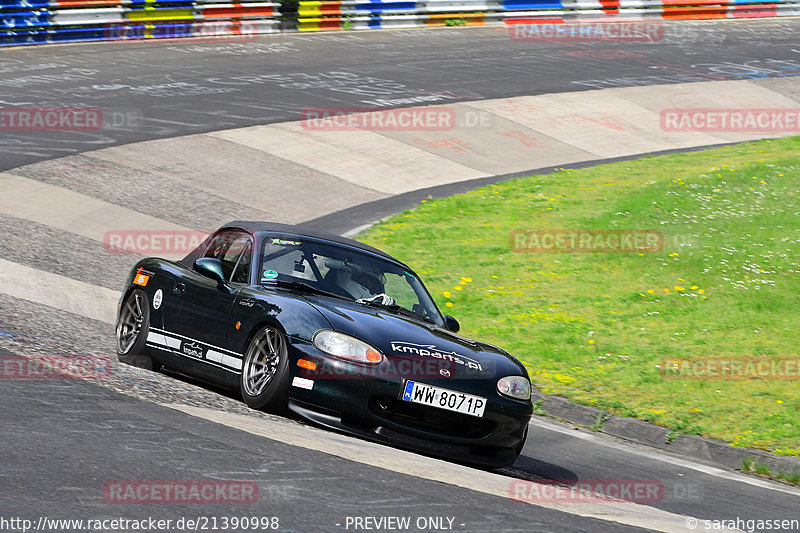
[(596, 327), (749, 465)]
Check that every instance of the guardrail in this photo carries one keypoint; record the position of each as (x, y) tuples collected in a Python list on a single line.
[(49, 21)]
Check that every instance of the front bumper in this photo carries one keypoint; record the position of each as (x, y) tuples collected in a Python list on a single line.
[(369, 405)]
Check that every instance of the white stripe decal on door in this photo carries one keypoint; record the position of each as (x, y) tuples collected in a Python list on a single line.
[(226, 360)]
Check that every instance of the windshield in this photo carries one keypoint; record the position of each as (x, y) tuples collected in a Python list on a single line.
[(344, 272)]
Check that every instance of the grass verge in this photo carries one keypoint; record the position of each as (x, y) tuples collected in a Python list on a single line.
[(599, 328)]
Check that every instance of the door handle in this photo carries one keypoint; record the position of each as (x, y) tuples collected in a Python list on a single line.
[(179, 288)]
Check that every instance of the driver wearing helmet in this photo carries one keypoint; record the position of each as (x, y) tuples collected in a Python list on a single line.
[(361, 282)]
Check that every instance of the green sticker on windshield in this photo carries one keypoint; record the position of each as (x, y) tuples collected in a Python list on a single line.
[(284, 242), (270, 274)]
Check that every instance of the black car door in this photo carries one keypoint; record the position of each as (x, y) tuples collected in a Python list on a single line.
[(197, 314)]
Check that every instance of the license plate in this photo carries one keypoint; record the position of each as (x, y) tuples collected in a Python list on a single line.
[(444, 398)]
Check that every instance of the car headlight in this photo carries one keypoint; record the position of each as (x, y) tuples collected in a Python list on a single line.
[(346, 347), (516, 387)]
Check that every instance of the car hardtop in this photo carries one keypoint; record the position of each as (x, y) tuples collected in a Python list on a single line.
[(259, 229)]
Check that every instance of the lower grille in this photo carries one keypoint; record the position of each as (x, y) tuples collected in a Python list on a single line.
[(430, 419)]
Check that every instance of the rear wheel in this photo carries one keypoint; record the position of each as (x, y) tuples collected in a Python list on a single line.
[(265, 373), (131, 332)]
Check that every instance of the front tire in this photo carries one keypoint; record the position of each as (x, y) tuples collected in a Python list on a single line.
[(133, 324), (265, 373)]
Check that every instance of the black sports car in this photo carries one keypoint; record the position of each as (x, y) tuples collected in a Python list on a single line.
[(339, 332)]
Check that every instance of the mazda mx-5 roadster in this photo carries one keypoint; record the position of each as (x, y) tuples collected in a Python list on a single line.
[(338, 332)]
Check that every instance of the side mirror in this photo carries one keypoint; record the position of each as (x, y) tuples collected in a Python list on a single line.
[(210, 268), (451, 323)]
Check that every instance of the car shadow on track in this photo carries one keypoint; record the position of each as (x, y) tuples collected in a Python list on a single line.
[(530, 469)]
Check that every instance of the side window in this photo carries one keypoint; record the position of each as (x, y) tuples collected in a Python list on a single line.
[(227, 247), (241, 274)]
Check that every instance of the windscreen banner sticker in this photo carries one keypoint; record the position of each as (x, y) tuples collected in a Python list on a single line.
[(157, 297), (284, 242), (429, 350)]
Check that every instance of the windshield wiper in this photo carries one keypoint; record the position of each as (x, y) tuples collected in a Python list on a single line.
[(299, 285)]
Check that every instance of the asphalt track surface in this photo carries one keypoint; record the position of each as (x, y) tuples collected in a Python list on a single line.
[(64, 439), (158, 90)]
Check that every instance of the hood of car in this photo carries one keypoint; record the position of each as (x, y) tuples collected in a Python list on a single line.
[(404, 338)]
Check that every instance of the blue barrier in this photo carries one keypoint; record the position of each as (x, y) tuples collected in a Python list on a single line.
[(532, 4)]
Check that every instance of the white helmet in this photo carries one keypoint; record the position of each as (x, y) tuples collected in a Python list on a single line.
[(361, 282)]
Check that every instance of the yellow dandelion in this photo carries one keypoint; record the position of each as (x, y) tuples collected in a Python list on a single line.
[(591, 341), (494, 277), (701, 291), (449, 304), (779, 401), (459, 287), (665, 289), (694, 287), (678, 288), (651, 291), (447, 294)]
